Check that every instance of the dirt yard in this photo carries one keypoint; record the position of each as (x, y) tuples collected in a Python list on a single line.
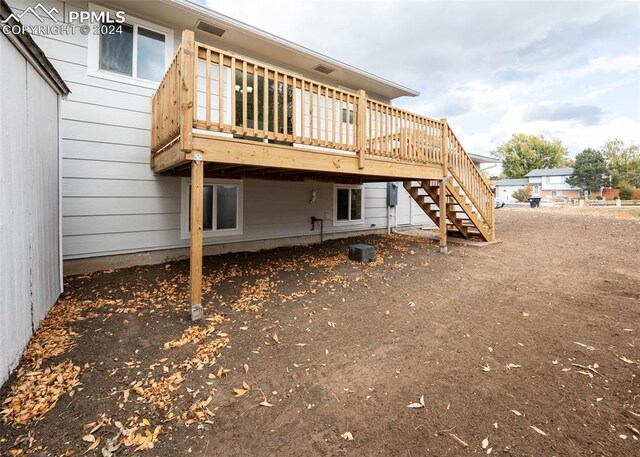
[(530, 347)]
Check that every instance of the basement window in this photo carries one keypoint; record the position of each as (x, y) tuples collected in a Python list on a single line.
[(348, 204), (135, 52), (221, 207)]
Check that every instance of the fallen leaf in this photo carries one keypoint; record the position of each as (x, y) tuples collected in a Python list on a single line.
[(240, 392), (538, 430), (486, 367), (275, 338), (266, 403), (517, 413), (485, 443), (245, 385), (89, 438), (93, 446), (246, 368), (625, 359), (586, 346), (347, 436)]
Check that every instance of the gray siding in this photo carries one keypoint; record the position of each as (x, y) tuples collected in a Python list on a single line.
[(29, 203), (113, 203)]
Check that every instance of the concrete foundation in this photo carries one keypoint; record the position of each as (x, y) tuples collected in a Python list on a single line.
[(112, 262)]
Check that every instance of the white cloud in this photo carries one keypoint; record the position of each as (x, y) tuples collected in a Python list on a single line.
[(574, 134), (607, 64)]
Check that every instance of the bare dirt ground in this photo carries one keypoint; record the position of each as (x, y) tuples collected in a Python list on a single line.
[(530, 347)]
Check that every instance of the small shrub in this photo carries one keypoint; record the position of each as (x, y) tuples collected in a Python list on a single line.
[(598, 197), (522, 195), (626, 190)]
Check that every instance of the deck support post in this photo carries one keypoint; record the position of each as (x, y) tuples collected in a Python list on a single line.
[(361, 127), (442, 194), (195, 273)]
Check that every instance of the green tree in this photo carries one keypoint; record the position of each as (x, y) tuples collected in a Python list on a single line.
[(626, 190), (589, 171), (623, 162), (523, 153)]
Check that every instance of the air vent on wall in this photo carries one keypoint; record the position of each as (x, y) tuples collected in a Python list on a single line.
[(323, 69), (212, 29)]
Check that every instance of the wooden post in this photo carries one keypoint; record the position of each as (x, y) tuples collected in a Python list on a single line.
[(187, 89), (442, 203), (197, 182), (361, 136)]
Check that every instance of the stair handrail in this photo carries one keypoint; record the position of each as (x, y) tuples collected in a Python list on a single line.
[(482, 184)]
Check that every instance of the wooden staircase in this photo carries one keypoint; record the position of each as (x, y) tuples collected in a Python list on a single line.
[(468, 199), (462, 217)]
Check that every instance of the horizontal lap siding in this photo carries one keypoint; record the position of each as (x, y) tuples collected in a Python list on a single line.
[(112, 201)]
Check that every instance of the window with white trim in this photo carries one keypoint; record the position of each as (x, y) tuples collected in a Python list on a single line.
[(221, 208), (348, 204), (135, 52)]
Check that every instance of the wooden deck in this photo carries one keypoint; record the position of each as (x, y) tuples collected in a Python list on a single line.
[(217, 114)]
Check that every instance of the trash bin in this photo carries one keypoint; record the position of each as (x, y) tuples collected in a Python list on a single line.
[(534, 202)]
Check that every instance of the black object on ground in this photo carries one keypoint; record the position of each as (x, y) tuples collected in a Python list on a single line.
[(362, 253)]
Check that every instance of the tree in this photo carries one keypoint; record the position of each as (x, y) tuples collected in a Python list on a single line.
[(522, 195), (626, 190), (523, 153), (623, 162), (589, 171)]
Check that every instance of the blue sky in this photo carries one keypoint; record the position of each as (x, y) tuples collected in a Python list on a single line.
[(568, 69)]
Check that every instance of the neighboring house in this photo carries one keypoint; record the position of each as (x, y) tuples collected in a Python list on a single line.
[(504, 188), (183, 118), (544, 182), (552, 182), (30, 255)]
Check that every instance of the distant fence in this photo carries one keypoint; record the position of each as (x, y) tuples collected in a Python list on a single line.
[(612, 194)]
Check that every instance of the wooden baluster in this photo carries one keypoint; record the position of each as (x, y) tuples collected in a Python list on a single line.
[(207, 63), (220, 92), (303, 109), (232, 83), (255, 101), (334, 124), (265, 103), (326, 116), (318, 117), (276, 93), (340, 121), (294, 109), (361, 126), (311, 113), (284, 106)]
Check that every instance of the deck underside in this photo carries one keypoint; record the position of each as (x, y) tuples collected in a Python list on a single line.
[(237, 158)]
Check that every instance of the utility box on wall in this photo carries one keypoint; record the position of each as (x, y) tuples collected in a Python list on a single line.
[(392, 194)]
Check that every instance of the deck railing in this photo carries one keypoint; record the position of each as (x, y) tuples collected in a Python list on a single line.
[(211, 89), (165, 107)]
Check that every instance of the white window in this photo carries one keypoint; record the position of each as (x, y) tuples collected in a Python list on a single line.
[(348, 204), (536, 189), (221, 208), (136, 52)]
